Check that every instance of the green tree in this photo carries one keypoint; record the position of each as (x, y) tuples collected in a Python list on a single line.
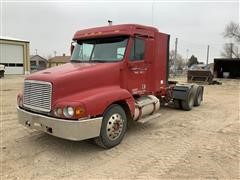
[(192, 60)]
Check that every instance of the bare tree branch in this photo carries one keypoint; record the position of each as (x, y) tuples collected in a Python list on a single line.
[(232, 30), (230, 51)]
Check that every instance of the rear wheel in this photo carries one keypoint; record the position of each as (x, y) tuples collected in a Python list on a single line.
[(198, 96), (188, 103), (114, 126), (177, 104)]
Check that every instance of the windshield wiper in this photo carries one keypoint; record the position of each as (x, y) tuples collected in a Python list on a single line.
[(75, 61), (79, 61), (100, 61)]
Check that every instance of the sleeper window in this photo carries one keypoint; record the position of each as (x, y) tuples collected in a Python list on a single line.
[(137, 50)]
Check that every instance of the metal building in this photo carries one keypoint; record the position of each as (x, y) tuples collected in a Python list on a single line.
[(227, 68), (14, 54)]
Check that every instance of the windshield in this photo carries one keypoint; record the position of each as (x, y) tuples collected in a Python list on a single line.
[(100, 50)]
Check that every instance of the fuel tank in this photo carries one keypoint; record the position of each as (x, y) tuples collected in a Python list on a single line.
[(146, 105)]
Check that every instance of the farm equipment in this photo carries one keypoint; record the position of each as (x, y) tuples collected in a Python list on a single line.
[(117, 74), (199, 76)]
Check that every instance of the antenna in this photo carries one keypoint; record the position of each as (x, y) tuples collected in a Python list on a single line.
[(109, 22), (152, 11)]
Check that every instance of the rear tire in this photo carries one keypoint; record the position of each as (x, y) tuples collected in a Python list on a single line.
[(198, 96), (177, 104), (188, 103), (113, 129)]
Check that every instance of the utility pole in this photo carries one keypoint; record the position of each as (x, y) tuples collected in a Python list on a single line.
[(187, 56), (36, 51), (207, 53), (175, 56), (55, 53)]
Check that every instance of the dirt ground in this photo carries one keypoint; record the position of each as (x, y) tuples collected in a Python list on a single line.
[(202, 143)]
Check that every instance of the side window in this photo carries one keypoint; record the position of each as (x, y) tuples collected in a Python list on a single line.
[(137, 50)]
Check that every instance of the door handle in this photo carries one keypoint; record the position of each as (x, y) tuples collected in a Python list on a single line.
[(139, 68)]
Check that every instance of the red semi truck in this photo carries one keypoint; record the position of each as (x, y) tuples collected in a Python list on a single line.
[(116, 74)]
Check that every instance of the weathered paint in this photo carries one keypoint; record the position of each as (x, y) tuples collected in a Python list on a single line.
[(97, 85)]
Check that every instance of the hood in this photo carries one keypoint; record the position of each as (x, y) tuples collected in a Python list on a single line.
[(72, 78), (54, 73)]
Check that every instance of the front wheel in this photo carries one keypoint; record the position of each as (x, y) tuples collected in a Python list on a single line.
[(114, 126)]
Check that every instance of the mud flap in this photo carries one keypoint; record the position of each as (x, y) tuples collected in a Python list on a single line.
[(180, 92)]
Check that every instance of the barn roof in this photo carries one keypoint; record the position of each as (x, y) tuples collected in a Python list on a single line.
[(12, 39), (37, 57), (59, 59)]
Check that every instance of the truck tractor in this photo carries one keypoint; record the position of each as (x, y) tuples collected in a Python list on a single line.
[(116, 74)]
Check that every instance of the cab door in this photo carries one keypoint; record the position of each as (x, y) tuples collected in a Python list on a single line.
[(137, 66)]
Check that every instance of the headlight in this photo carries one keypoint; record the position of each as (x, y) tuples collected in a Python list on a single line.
[(58, 112), (68, 111)]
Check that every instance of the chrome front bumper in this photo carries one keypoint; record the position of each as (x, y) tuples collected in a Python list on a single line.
[(66, 129)]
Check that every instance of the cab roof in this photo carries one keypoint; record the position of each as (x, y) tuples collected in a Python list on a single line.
[(116, 30)]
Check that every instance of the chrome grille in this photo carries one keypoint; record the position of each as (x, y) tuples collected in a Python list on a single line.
[(37, 95)]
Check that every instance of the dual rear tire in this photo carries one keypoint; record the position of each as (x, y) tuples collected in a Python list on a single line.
[(194, 98), (198, 90), (114, 123)]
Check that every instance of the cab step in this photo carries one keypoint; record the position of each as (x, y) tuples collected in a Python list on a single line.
[(149, 118)]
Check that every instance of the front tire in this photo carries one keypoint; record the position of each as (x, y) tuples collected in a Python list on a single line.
[(114, 126)]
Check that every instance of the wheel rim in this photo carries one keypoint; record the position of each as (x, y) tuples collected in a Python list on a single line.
[(114, 126)]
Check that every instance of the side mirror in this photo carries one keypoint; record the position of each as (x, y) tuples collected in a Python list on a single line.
[(72, 47)]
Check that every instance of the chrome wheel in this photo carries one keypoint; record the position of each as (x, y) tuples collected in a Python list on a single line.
[(114, 126)]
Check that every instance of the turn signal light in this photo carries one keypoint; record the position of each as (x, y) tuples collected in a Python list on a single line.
[(79, 111)]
